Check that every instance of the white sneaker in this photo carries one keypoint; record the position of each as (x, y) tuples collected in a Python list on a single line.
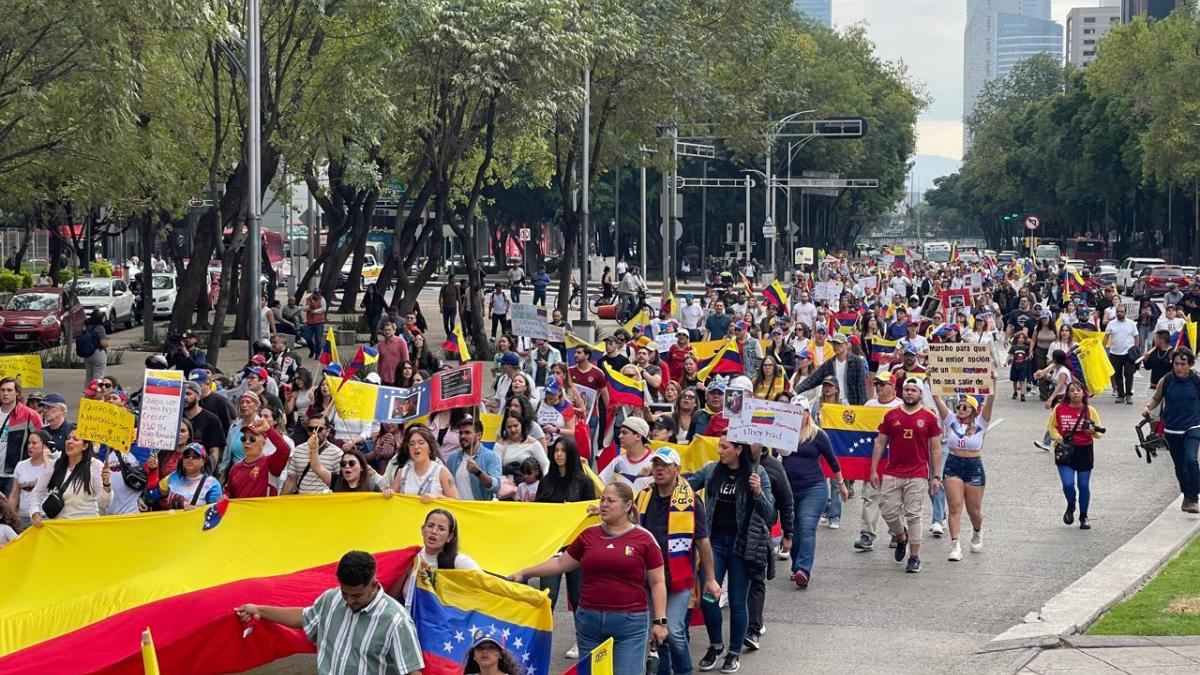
[(780, 555), (955, 551), (762, 630), (976, 542), (573, 652), (937, 529), (835, 524)]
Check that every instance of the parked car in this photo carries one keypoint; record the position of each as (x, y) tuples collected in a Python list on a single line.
[(42, 315), (110, 295), (165, 289), (369, 273), (1129, 270), (1154, 281), (1077, 263)]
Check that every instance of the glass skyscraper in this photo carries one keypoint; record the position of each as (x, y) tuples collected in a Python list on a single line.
[(820, 11)]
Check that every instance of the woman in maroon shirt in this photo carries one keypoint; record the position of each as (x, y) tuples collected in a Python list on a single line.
[(618, 558)]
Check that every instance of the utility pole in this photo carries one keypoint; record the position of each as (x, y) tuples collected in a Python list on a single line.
[(616, 211), (584, 325), (254, 164), (703, 220)]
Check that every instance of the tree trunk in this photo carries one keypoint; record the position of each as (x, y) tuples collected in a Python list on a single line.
[(147, 233), (194, 279)]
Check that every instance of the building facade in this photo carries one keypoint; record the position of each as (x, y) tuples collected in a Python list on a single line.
[(820, 11), (1085, 27), (1155, 9)]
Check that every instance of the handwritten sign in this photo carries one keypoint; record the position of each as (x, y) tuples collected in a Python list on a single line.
[(27, 369), (530, 321), (666, 341), (827, 290), (162, 404), (960, 369), (547, 415), (108, 424), (768, 423)]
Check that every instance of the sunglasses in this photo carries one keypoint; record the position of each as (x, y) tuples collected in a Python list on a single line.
[(192, 455), (348, 465), (316, 429), (104, 385), (250, 438)]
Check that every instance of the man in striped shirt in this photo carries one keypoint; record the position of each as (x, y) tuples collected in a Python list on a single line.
[(357, 628)]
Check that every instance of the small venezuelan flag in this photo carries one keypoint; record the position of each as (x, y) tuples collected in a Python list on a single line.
[(599, 661), (329, 349), (624, 390), (762, 417)]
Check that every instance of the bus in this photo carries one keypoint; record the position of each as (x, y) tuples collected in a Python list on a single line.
[(1088, 249), (936, 251)]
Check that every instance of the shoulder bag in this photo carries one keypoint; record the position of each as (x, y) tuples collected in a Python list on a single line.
[(1064, 450), (134, 476)]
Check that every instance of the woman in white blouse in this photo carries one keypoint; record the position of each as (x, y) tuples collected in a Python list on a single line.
[(79, 478)]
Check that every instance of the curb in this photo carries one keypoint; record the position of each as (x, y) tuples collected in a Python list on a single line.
[(1119, 575)]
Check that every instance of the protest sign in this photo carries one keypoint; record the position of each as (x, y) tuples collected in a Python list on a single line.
[(827, 290), (27, 369), (589, 400), (954, 299), (976, 281), (870, 283), (547, 415), (768, 423), (162, 405), (530, 321), (960, 368), (666, 341), (353, 400), (460, 387), (108, 424), (398, 405)]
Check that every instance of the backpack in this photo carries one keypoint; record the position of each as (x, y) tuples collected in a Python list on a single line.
[(86, 343)]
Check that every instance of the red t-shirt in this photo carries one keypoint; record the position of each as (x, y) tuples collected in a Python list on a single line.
[(614, 568), (593, 379), (252, 479), (908, 441), (1064, 419)]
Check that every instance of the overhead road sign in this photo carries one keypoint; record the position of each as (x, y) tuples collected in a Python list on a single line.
[(828, 183), (704, 150)]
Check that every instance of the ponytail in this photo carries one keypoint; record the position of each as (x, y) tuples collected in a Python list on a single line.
[(625, 493)]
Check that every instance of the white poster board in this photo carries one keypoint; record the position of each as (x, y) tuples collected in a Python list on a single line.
[(768, 423), (666, 341), (827, 290), (960, 368), (530, 321), (162, 405)]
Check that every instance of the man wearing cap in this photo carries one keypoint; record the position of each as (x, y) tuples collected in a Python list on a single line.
[(206, 428), (691, 315), (668, 511), (710, 420), (259, 382), (54, 418), (219, 406), (613, 348), (357, 627), (848, 369), (911, 435), (632, 465), (476, 469)]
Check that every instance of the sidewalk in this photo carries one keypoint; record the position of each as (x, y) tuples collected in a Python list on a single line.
[(1118, 654)]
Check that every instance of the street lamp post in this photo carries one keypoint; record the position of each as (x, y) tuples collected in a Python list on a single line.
[(254, 166), (584, 325)]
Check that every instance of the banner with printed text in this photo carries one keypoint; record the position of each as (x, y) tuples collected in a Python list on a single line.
[(960, 369)]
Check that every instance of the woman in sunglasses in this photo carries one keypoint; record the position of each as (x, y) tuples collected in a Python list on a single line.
[(962, 473), (353, 475), (251, 477)]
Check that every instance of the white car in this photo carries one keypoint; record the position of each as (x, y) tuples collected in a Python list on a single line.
[(1129, 269), (110, 295), (165, 288)]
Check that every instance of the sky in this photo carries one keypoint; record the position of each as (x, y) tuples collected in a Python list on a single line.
[(928, 36)]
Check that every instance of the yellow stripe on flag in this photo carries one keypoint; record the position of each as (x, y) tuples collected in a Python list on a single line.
[(464, 354), (642, 317)]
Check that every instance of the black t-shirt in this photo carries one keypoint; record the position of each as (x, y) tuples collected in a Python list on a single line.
[(1020, 320), (206, 429), (656, 518), (1158, 362), (220, 407), (615, 362), (725, 513)]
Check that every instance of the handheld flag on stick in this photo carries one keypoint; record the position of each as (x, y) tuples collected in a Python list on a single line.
[(749, 286), (640, 319), (364, 357), (460, 341), (776, 295), (624, 390), (728, 359), (852, 430), (329, 349), (149, 656)]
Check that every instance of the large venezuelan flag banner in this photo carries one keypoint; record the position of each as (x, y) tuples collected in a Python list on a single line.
[(78, 593), (852, 430), (447, 613)]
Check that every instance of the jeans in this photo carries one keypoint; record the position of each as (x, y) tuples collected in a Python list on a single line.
[(448, 318), (939, 497), (314, 335), (539, 296), (673, 656), (833, 505), (809, 503), (1069, 477), (6, 483), (502, 321), (553, 583), (724, 561), (1183, 449), (630, 632), (515, 291)]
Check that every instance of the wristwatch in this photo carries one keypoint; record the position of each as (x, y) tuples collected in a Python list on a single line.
[(660, 622)]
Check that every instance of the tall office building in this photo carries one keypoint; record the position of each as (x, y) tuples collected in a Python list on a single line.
[(1085, 27), (820, 11), (1155, 9), (1000, 34)]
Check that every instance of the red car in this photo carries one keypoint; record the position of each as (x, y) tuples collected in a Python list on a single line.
[(1157, 280), (40, 316)]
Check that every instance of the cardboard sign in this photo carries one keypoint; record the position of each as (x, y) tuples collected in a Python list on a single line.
[(768, 423), (531, 321), (108, 424), (162, 406), (803, 255), (827, 290), (27, 369), (960, 368)]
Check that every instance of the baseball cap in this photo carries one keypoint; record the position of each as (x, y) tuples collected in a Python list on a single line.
[(716, 385), (260, 373), (510, 359), (259, 360), (885, 376), (55, 399), (837, 338), (194, 448), (637, 425), (802, 402), (914, 382), (910, 349), (481, 637), (972, 401), (373, 378), (199, 376), (822, 328), (777, 331), (829, 379), (665, 422), (666, 456), (553, 386), (189, 385), (739, 325)]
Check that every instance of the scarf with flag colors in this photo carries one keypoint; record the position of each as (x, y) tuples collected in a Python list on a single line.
[(185, 586), (447, 611), (329, 352), (599, 661), (624, 390), (681, 526), (727, 360), (852, 430), (776, 295)]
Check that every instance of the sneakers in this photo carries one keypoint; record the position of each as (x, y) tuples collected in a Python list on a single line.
[(733, 663), (710, 657), (892, 543), (976, 542), (864, 543), (834, 523), (1069, 515), (1044, 447), (936, 529), (762, 630), (1190, 507), (1129, 399), (901, 547), (573, 652), (955, 551), (1014, 395), (824, 517), (913, 566), (1084, 524), (780, 555), (800, 578), (750, 642)]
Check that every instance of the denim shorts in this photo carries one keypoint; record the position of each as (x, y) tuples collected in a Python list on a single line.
[(967, 469)]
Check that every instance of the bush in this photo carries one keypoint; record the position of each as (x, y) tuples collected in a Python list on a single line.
[(64, 275), (62, 356), (26, 280), (101, 268), (10, 282)]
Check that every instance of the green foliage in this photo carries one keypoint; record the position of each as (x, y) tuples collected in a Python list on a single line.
[(101, 268), (26, 280), (62, 356), (1166, 606), (64, 275), (10, 282)]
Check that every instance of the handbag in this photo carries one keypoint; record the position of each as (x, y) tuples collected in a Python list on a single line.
[(135, 477), (53, 504), (1064, 450)]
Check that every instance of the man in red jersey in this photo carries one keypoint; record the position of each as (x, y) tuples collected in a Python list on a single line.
[(912, 438)]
